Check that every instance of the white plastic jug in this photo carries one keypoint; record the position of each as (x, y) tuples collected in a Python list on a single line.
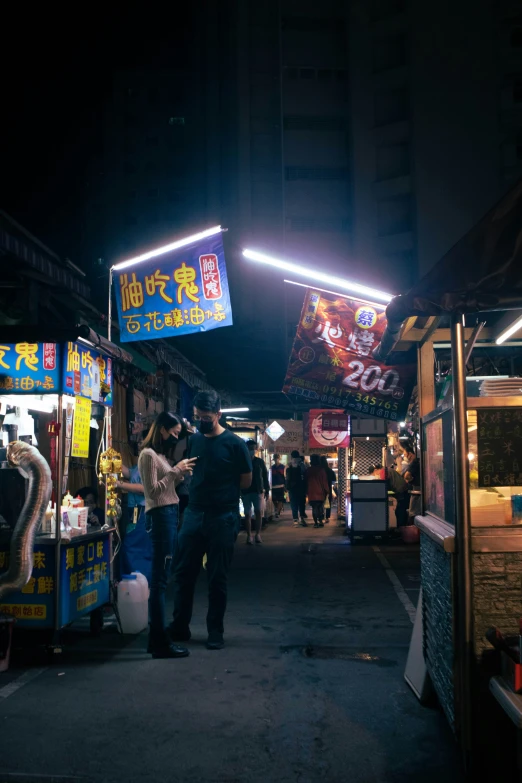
[(132, 605), (142, 580)]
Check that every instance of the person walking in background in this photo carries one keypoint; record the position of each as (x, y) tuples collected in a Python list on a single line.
[(222, 469), (159, 481), (277, 475), (296, 486), (332, 478), (317, 489), (255, 495)]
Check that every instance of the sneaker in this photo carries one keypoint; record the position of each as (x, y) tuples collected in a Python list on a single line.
[(296, 523), (259, 540), (303, 523), (215, 641), (170, 651), (250, 540), (179, 635), (321, 523), (316, 524)]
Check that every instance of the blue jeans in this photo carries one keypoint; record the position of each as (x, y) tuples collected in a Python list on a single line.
[(297, 502), (212, 532), (162, 525)]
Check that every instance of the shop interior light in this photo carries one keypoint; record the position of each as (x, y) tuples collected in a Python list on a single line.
[(471, 456), (507, 333), (159, 251), (303, 271), (234, 410), (36, 402)]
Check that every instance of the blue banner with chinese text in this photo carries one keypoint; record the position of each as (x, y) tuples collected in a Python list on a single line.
[(179, 292), (29, 368)]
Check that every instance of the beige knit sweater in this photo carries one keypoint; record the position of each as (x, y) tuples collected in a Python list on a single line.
[(159, 479)]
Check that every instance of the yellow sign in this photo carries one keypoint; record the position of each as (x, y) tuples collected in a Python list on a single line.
[(25, 611), (81, 428), (89, 599)]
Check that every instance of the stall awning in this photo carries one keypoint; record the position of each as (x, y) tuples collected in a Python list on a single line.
[(482, 272)]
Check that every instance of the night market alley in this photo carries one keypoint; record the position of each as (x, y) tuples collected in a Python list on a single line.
[(309, 687)]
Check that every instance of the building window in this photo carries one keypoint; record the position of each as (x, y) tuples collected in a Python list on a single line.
[(322, 75), (305, 24), (391, 106), (389, 52), (303, 224), (176, 120), (382, 9), (325, 74), (317, 173), (516, 38), (392, 161), (314, 123), (394, 216)]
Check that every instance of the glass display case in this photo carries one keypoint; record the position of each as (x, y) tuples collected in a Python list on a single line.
[(437, 443)]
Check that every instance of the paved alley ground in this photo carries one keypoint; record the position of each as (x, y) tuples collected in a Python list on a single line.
[(309, 688)]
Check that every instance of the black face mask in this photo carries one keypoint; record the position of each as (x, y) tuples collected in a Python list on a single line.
[(205, 427), (170, 442)]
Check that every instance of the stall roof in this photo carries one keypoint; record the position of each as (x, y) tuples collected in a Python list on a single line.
[(482, 272)]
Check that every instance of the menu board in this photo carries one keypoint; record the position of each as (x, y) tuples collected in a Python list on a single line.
[(499, 445)]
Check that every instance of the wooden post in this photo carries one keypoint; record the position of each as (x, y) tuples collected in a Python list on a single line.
[(426, 378)]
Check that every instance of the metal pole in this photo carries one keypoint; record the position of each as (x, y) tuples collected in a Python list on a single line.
[(60, 455), (464, 649), (109, 308)]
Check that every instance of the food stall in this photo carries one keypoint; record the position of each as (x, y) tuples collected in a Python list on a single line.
[(471, 530), (49, 394)]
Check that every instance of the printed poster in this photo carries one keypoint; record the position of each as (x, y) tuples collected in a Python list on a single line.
[(329, 429), (81, 428), (179, 292), (332, 364)]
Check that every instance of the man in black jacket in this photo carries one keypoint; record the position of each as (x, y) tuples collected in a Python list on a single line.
[(254, 496)]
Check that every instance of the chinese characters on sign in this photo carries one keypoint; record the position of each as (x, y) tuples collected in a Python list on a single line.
[(85, 574), (329, 429), (180, 292), (499, 439), (331, 361), (29, 368), (33, 605), (81, 427), (87, 373)]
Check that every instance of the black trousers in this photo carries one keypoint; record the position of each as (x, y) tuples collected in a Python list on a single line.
[(211, 532)]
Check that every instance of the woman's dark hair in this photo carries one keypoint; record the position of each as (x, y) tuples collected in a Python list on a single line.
[(295, 454), (84, 491), (207, 401), (324, 463), (277, 456), (407, 446), (154, 440), (315, 460)]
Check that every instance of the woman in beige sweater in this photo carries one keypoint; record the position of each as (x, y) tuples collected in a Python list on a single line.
[(161, 506)]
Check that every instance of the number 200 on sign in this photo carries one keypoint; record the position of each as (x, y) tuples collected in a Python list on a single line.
[(373, 378)]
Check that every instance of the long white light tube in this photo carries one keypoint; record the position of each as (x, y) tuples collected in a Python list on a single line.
[(159, 251), (303, 271)]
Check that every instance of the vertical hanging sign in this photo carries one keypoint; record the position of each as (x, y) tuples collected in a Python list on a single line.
[(81, 427)]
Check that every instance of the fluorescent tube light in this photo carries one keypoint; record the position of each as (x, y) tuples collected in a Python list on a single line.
[(303, 271), (159, 251)]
